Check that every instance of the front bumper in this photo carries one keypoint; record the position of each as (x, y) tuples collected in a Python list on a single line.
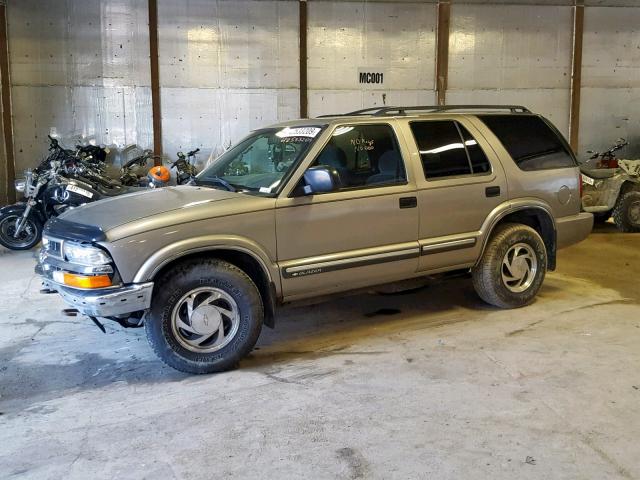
[(106, 302), (111, 301), (573, 229)]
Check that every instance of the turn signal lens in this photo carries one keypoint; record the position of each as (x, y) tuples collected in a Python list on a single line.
[(82, 281)]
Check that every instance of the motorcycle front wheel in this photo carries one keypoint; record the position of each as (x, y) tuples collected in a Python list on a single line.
[(29, 237)]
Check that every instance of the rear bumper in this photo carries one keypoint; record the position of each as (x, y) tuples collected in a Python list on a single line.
[(107, 302), (573, 229)]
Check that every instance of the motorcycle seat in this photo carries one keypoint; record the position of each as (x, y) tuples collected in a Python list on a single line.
[(600, 173)]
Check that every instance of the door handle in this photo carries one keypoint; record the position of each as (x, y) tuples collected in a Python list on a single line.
[(408, 202), (492, 191)]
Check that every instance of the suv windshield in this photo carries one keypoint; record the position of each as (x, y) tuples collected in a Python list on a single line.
[(260, 161)]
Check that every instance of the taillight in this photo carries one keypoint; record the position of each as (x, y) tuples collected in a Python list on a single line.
[(580, 186)]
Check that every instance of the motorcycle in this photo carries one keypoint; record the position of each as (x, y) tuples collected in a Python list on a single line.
[(54, 186), (185, 167)]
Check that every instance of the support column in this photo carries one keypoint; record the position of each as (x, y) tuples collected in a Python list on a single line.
[(155, 80), (576, 73), (7, 191), (303, 58), (442, 50)]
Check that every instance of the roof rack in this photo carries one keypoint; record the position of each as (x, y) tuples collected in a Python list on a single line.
[(381, 111)]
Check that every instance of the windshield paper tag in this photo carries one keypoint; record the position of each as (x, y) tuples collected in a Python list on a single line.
[(298, 132), (265, 190)]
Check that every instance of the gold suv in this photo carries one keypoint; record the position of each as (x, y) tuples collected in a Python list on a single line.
[(321, 206)]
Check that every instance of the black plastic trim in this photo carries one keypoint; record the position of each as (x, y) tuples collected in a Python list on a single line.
[(66, 230)]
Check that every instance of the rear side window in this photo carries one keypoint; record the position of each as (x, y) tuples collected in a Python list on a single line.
[(532, 143), (447, 149)]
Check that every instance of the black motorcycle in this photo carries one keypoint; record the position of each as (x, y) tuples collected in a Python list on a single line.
[(60, 182)]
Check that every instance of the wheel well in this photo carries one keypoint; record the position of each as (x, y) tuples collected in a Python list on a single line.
[(248, 265), (542, 223)]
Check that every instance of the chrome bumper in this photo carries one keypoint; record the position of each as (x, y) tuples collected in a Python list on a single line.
[(573, 229), (106, 302)]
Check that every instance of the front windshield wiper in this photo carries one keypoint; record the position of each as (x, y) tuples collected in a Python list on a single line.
[(219, 181)]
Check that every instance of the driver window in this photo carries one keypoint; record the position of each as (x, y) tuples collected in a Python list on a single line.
[(364, 156)]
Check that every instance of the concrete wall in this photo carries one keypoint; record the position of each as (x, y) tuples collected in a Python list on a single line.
[(397, 39), (79, 68), (610, 104), (227, 66), (512, 54)]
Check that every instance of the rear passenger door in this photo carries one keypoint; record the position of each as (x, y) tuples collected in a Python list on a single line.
[(461, 182)]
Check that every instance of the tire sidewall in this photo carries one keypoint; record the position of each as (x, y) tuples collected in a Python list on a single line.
[(169, 293), (520, 235)]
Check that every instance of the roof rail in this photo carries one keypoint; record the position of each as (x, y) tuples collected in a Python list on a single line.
[(380, 111), (444, 108), (364, 111)]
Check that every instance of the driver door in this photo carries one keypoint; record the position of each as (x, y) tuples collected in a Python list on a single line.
[(363, 233)]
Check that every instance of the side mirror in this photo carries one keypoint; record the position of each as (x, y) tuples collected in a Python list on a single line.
[(321, 179)]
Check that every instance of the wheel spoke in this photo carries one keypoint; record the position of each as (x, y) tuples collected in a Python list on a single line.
[(211, 298), (202, 339), (225, 312), (189, 302), (185, 327)]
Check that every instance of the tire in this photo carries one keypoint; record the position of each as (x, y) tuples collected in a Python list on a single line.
[(491, 274), (626, 213), (192, 282), (29, 237)]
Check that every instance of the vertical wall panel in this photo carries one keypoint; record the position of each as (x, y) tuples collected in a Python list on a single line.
[(79, 69), (512, 54), (226, 67), (610, 80), (396, 38)]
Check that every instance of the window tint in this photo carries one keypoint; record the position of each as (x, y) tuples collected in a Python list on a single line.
[(532, 143), (364, 155), (447, 149)]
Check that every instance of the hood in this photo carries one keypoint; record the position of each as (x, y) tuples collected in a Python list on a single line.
[(113, 212)]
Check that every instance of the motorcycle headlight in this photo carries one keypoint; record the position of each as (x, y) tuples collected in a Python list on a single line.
[(85, 254), (20, 185)]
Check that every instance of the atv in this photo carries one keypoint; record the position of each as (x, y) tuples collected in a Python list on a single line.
[(612, 189)]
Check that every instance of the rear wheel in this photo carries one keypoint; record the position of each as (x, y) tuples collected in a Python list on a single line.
[(512, 267), (29, 236), (206, 315), (626, 214)]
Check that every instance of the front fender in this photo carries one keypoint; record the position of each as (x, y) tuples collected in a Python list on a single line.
[(176, 250)]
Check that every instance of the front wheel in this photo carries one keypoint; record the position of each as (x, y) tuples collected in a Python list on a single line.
[(28, 238), (512, 267), (205, 316)]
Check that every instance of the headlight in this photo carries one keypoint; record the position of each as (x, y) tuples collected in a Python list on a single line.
[(85, 255), (20, 185)]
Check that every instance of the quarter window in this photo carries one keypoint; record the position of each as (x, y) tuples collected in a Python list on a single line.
[(447, 149), (364, 155), (530, 141)]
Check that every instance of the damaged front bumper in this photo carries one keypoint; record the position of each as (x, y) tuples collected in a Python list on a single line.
[(113, 301), (106, 302)]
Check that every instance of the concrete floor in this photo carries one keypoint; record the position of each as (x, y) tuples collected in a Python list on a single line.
[(445, 387)]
